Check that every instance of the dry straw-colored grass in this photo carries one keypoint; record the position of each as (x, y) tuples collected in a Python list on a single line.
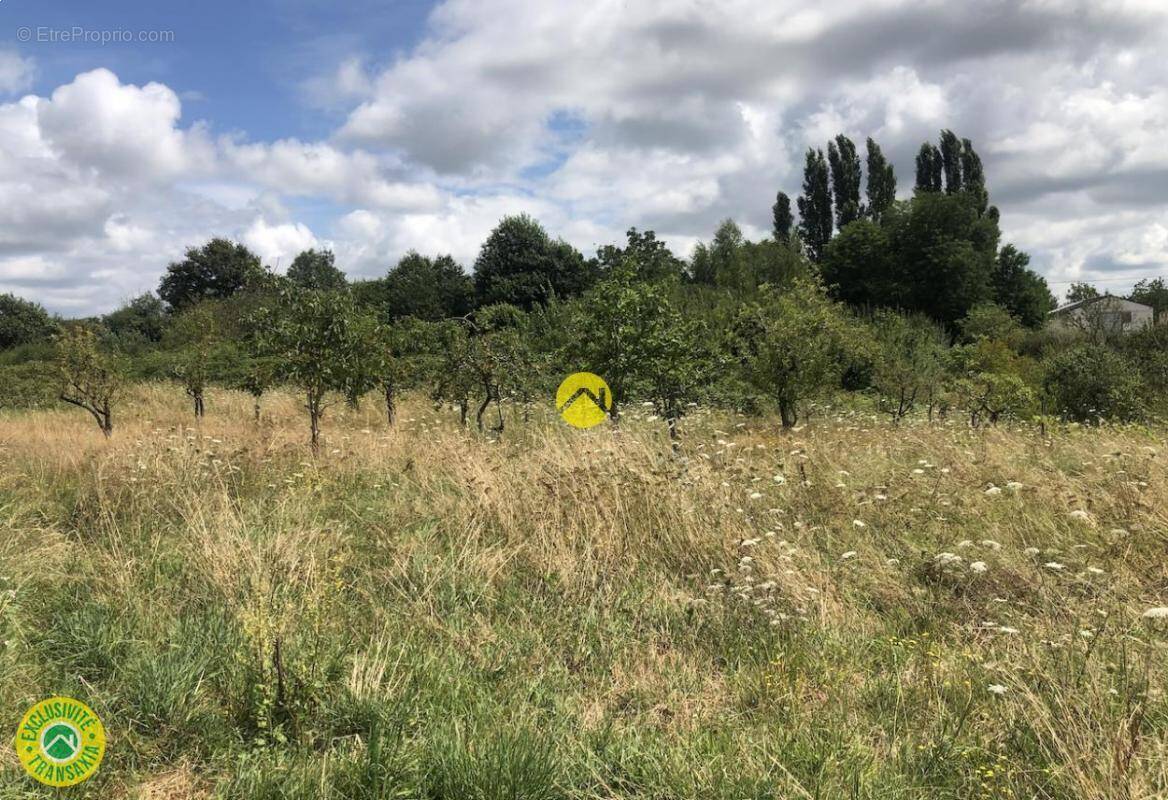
[(765, 598)]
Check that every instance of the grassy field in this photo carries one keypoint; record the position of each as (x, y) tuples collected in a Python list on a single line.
[(846, 610)]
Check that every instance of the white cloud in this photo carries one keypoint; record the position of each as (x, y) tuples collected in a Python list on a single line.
[(278, 243), (663, 114), (16, 72), (120, 131)]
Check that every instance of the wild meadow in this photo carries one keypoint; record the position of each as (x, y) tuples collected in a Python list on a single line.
[(843, 609)]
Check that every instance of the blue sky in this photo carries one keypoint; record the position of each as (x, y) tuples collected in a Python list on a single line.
[(246, 71), (375, 128)]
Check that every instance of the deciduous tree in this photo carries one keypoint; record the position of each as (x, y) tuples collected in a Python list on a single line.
[(316, 269), (23, 322), (87, 376), (521, 265), (219, 269)]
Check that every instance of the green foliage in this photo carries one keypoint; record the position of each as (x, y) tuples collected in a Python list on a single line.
[(197, 350), (519, 264), (427, 288), (643, 258), (24, 386), (792, 344), (815, 224), (316, 269), (1020, 290), (930, 169), (910, 360), (1147, 351), (23, 322), (218, 269), (1152, 293), (1081, 291), (992, 396), (845, 179), (881, 182), (990, 321), (857, 266), (781, 218), (87, 376), (951, 153), (319, 342), (941, 256), (973, 175), (634, 336), (731, 262), (1090, 381), (140, 321)]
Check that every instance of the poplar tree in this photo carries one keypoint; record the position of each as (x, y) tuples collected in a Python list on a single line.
[(815, 224), (929, 169), (845, 179), (973, 176), (951, 155), (781, 213), (881, 181)]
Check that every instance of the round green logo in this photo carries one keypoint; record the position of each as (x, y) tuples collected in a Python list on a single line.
[(60, 741)]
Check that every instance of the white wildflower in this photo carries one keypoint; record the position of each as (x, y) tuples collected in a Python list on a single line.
[(945, 559), (991, 544), (847, 555), (997, 688), (1080, 515), (859, 523), (1013, 486), (993, 490), (1159, 612), (1031, 551), (1056, 566), (978, 566), (1008, 629)]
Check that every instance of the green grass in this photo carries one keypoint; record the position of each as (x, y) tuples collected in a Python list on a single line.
[(426, 613)]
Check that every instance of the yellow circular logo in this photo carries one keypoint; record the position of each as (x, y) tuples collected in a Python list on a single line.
[(583, 400), (60, 741)]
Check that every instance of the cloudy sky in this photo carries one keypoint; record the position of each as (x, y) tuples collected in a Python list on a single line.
[(378, 127)]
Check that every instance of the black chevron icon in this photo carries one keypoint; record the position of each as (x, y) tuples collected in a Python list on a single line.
[(601, 401)]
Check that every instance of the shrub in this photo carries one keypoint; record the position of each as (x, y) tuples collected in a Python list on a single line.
[(1090, 381)]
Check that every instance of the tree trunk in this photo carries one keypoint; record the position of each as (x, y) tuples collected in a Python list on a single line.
[(390, 404), (788, 412), (314, 420), (199, 408), (106, 421), (256, 407), (482, 410), (463, 410)]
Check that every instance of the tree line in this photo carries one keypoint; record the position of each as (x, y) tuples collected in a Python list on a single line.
[(914, 305)]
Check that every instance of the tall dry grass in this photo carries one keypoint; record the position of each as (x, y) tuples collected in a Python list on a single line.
[(845, 610)]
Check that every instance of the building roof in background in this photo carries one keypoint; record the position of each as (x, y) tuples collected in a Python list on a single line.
[(1090, 300)]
